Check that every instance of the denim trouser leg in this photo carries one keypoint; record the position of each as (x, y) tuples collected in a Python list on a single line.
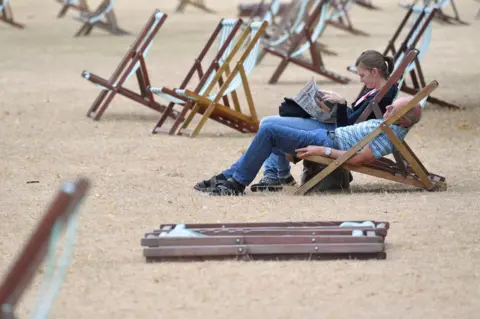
[(278, 139), (277, 166)]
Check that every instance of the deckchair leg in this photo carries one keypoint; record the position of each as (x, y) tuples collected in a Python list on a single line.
[(278, 72), (109, 99), (97, 102), (203, 120)]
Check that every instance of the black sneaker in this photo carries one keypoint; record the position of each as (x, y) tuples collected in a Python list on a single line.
[(273, 185), (208, 184), (228, 188)]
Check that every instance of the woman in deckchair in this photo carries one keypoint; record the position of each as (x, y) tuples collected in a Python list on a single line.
[(373, 69)]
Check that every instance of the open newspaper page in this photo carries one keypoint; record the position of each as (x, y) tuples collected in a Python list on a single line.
[(306, 99)]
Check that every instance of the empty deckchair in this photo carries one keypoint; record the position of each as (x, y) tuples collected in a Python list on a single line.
[(339, 17), (414, 172), (271, 240), (441, 6), (303, 42), (6, 14), (93, 19), (368, 4), (44, 242), (417, 37), (132, 63), (79, 5), (200, 4), (224, 34), (207, 101)]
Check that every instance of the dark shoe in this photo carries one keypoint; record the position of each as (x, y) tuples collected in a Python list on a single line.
[(206, 185), (273, 185), (228, 188)]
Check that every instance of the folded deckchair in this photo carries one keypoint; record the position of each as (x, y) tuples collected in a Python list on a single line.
[(91, 19), (200, 4), (132, 63), (224, 35), (273, 240), (339, 17), (206, 100), (6, 14), (45, 241), (79, 5), (410, 172), (417, 37), (368, 4), (304, 41), (441, 5)]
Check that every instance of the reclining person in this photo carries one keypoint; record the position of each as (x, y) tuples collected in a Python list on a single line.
[(373, 69), (278, 139)]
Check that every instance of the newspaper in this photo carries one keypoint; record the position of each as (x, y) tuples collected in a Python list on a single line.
[(325, 112)]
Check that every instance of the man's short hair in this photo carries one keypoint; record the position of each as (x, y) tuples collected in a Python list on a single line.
[(413, 116)]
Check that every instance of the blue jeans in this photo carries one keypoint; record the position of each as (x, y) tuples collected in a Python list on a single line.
[(275, 139), (277, 166)]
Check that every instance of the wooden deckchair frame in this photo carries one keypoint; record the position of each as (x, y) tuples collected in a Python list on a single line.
[(416, 75), (6, 15), (198, 69), (274, 240), (82, 6), (200, 4), (316, 64), (26, 264), (110, 25), (418, 176), (344, 22), (121, 73), (212, 109), (440, 15)]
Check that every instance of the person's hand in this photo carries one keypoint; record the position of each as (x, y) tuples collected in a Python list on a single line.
[(309, 151), (331, 96), (319, 101)]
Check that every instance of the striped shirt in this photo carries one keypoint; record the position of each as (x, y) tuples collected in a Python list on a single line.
[(346, 137)]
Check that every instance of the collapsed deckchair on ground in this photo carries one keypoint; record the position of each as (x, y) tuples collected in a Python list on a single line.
[(274, 240), (409, 171), (442, 6), (45, 241), (200, 4), (6, 14), (417, 37), (132, 63), (223, 36), (304, 41), (103, 18), (205, 99), (339, 17)]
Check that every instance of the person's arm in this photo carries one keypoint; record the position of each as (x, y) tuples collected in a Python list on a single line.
[(365, 156)]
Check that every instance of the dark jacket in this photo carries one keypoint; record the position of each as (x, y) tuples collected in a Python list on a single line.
[(348, 116)]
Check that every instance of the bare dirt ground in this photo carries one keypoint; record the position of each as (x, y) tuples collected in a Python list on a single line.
[(141, 180)]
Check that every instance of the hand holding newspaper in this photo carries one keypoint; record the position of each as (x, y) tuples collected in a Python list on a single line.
[(306, 99)]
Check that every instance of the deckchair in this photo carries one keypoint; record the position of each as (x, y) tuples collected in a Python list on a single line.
[(132, 63), (303, 42), (44, 242), (440, 15), (259, 9), (224, 34), (94, 19), (417, 37), (207, 102), (368, 4), (79, 5), (272, 240), (413, 174), (200, 4), (6, 14), (339, 17)]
